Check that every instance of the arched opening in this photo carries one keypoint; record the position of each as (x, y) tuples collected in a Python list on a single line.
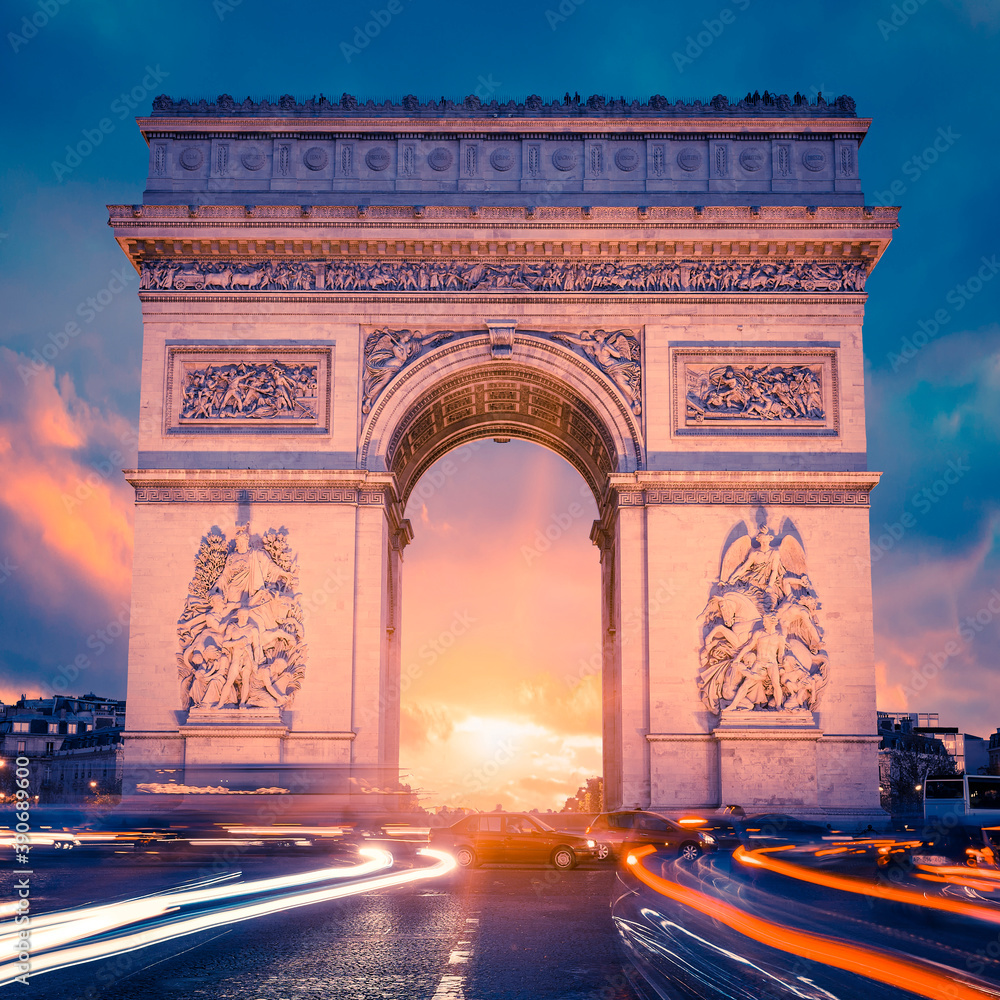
[(501, 629), (460, 396)]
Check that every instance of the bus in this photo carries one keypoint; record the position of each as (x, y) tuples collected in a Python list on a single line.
[(973, 797)]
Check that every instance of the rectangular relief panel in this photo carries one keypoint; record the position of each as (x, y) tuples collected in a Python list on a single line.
[(747, 391), (248, 390)]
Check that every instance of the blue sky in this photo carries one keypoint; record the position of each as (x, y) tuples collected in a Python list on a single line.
[(924, 71)]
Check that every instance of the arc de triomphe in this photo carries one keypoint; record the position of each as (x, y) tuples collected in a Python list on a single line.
[(668, 295)]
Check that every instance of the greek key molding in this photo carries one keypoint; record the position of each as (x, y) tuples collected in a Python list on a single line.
[(785, 497), (231, 494)]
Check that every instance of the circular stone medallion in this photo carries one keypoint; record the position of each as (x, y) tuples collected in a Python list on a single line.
[(253, 159), (315, 158), (626, 158), (689, 158), (440, 158), (814, 159), (191, 158), (752, 159), (377, 158), (564, 159), (502, 158)]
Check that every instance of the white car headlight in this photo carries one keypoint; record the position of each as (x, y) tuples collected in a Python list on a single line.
[(590, 843), (707, 838)]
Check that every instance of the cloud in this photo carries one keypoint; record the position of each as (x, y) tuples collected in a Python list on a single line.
[(65, 523)]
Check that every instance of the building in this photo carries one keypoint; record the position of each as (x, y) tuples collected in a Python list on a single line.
[(970, 753), (994, 752), (906, 757), (89, 763), (669, 295), (37, 728)]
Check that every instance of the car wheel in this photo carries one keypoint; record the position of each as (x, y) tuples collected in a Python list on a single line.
[(689, 851), (466, 857), (563, 858), (603, 852)]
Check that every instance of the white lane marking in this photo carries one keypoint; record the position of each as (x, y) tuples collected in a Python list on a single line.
[(450, 988)]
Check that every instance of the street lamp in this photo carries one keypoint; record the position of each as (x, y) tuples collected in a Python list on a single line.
[(93, 784)]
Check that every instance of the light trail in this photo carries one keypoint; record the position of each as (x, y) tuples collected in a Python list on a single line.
[(52, 930), (921, 978), (860, 886), (79, 954)]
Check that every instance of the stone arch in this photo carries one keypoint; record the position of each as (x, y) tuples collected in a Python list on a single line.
[(459, 392)]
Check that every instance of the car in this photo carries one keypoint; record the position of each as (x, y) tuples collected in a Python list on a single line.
[(511, 838), (965, 845), (780, 829), (615, 832)]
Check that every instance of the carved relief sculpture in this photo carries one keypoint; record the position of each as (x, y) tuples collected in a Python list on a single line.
[(790, 393), (386, 352), (458, 276), (761, 645), (241, 632), (250, 390), (617, 355)]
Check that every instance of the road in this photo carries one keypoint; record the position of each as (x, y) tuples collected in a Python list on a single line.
[(495, 933)]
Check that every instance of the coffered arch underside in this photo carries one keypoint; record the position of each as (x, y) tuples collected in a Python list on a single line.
[(461, 394)]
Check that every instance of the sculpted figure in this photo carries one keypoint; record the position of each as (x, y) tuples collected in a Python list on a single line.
[(246, 571), (616, 354), (241, 632), (761, 647), (386, 351)]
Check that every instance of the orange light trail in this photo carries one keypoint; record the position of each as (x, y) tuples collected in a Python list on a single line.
[(918, 977), (860, 886)]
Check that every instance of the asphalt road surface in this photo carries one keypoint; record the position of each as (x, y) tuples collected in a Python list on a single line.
[(495, 933)]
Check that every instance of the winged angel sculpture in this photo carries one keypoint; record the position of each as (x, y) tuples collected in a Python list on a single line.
[(762, 648), (241, 630), (386, 352)]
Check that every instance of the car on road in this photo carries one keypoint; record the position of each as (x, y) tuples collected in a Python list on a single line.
[(963, 845), (511, 838), (614, 832)]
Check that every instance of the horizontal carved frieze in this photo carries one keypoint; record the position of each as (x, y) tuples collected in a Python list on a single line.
[(758, 275)]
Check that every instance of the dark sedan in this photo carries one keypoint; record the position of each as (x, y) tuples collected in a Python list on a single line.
[(510, 838), (613, 832)]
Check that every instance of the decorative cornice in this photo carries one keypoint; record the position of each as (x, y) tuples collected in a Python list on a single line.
[(740, 488), (261, 486), (597, 106)]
